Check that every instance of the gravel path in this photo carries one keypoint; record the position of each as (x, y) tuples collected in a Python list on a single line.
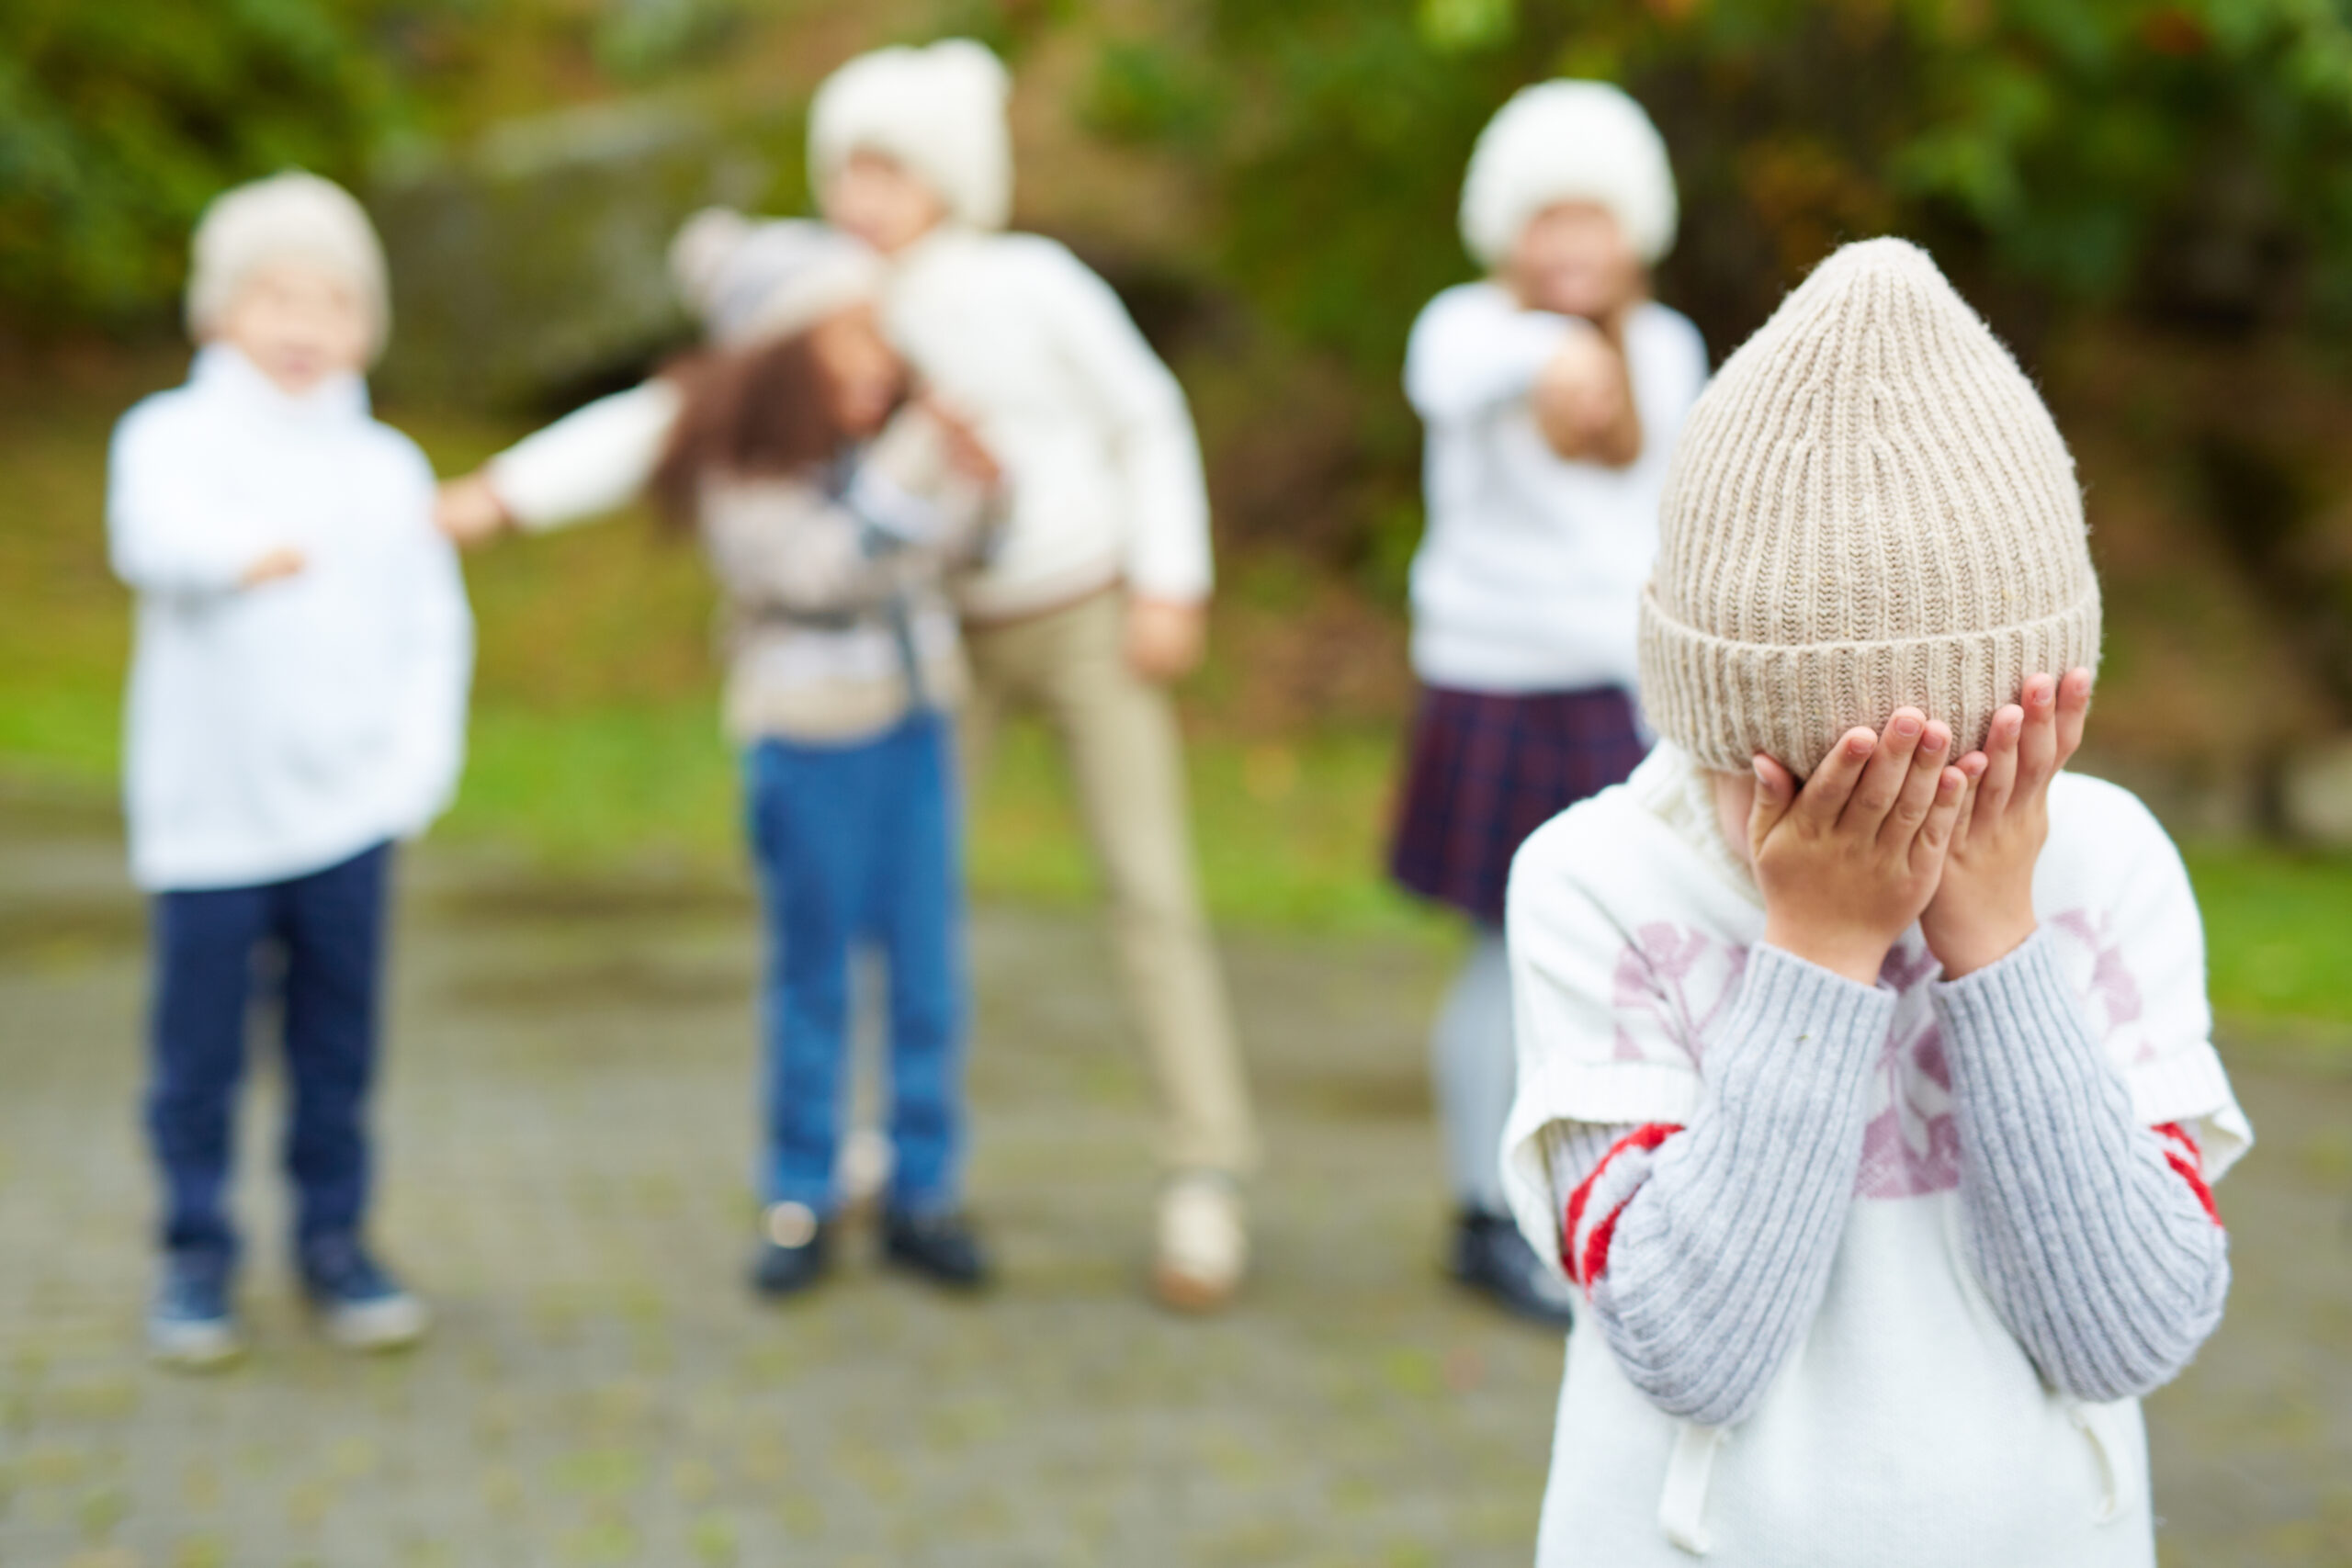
[(567, 1134)]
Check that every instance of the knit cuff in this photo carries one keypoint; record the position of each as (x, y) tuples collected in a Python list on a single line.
[(1798, 1029), (2013, 1012)]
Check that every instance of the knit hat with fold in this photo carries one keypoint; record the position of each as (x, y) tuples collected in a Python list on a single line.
[(1870, 507), (749, 279), (940, 110)]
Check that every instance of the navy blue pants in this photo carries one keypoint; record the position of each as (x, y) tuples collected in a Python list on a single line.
[(857, 845), (327, 929)]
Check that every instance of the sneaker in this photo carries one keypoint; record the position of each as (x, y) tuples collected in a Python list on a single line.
[(794, 1247), (942, 1248), (1492, 1257), (191, 1323), (359, 1305), (1204, 1244)]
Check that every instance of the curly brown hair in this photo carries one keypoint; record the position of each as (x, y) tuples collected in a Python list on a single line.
[(765, 411)]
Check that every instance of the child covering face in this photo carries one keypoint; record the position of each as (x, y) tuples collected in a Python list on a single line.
[(1866, 1091), (297, 704)]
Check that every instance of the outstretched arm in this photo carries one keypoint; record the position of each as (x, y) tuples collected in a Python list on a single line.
[(593, 460)]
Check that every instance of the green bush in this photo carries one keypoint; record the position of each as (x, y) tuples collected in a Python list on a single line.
[(119, 121)]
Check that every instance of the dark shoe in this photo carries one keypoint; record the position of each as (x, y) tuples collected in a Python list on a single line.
[(942, 1248), (794, 1244), (1492, 1257), (360, 1307), (191, 1323)]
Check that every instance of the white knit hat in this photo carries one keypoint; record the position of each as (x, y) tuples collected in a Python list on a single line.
[(288, 216), (749, 280), (939, 110), (1567, 142), (1869, 507)]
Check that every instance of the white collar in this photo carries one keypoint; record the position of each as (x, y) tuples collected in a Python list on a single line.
[(1680, 794), (222, 371)]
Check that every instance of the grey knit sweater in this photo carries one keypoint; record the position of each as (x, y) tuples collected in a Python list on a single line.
[(2098, 1253)]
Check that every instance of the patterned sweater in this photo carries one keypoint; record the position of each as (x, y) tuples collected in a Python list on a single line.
[(1863, 1259)]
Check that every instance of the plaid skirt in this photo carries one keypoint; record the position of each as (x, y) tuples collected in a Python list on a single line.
[(1488, 769)]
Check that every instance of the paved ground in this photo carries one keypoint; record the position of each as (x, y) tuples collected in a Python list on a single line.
[(567, 1134)]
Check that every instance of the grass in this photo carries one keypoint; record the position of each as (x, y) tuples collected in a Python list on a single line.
[(595, 738)]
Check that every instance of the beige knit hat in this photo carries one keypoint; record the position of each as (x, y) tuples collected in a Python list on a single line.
[(1869, 507)]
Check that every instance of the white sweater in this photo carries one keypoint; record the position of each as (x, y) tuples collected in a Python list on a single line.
[(273, 731), (1909, 1424), (1529, 573), (1016, 333)]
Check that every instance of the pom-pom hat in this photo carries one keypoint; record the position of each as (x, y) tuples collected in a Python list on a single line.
[(938, 109), (1870, 507), (288, 217), (1567, 142)]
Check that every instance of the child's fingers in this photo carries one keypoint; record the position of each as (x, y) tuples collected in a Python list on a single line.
[(2073, 711), (1881, 781), (1971, 771), (1824, 794), (2038, 745), (1917, 796), (1949, 788), (2000, 779), (1776, 792)]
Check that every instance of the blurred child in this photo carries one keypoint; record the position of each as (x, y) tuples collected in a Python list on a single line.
[(297, 702), (1866, 1087), (1095, 596), (1553, 392), (832, 515)]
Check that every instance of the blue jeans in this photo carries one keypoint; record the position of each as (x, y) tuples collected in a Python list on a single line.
[(858, 844), (328, 927)]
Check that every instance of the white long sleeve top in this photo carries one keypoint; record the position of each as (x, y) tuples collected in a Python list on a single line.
[(274, 731), (1103, 467), (1529, 576)]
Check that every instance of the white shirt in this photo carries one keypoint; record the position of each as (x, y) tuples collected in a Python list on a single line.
[(1909, 1425), (1101, 461), (1092, 430), (1529, 576), (274, 731)]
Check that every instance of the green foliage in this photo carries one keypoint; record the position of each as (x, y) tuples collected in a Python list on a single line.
[(2196, 156), (120, 119)]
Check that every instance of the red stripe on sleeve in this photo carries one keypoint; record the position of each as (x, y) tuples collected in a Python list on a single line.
[(1649, 1135), (2190, 1164)]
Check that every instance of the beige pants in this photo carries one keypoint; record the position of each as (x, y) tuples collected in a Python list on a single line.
[(1118, 735)]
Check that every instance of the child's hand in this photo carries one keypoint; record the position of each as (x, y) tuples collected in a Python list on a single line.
[(1579, 393), (1165, 636), (282, 563), (467, 511), (966, 453), (1985, 907), (1847, 862)]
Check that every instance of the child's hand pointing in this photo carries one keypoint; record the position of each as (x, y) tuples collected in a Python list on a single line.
[(1846, 864), (1985, 907)]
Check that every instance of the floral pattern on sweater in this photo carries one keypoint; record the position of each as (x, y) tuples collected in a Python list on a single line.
[(1672, 985)]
